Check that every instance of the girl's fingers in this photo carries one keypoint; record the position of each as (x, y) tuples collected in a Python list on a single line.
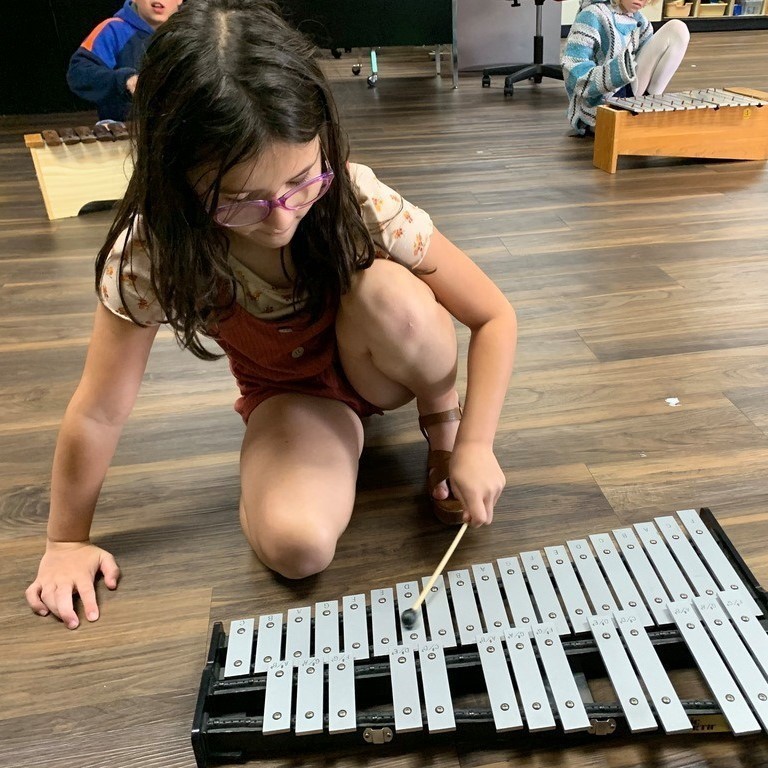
[(110, 570), (65, 609), (34, 600), (87, 594)]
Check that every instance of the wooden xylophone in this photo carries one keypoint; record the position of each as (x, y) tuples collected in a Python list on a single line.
[(82, 165), (730, 124), (522, 644)]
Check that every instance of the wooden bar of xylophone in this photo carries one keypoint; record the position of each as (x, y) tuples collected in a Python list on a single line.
[(81, 165), (728, 124), (523, 644)]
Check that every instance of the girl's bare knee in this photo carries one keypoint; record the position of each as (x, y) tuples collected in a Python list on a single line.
[(297, 560), (388, 299), (293, 552)]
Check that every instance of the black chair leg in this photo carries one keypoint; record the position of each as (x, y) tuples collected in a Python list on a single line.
[(537, 71)]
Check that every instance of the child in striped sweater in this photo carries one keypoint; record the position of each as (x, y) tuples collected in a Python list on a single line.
[(612, 49)]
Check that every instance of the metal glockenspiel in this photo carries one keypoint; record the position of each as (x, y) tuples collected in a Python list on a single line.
[(512, 645)]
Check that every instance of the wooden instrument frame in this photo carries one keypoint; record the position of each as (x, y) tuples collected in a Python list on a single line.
[(73, 175), (727, 133)]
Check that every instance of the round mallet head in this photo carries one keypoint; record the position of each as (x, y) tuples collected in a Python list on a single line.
[(409, 618)]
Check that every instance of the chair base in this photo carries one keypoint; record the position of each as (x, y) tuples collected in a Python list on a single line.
[(536, 71), (518, 72)]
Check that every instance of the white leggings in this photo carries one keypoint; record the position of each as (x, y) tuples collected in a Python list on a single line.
[(660, 57)]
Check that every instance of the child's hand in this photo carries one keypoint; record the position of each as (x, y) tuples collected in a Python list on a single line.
[(66, 568), (477, 481)]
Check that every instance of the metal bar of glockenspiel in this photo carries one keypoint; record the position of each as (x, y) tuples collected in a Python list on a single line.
[(277, 698), (715, 559), (737, 657), (355, 626), (489, 594), (269, 641), (464, 606), (437, 692), (530, 684), (414, 636), (342, 713), (570, 590), (498, 683), (405, 689), (653, 544), (544, 595), (239, 648), (712, 667), (326, 629), (518, 600), (748, 627), (622, 675), (565, 692), (439, 613), (687, 557), (619, 578), (297, 634), (309, 697), (383, 627), (656, 597), (594, 582), (660, 689)]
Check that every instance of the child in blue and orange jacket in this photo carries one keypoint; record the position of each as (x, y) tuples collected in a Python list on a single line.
[(104, 68)]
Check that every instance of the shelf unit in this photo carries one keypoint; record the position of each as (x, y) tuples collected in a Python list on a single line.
[(699, 9)]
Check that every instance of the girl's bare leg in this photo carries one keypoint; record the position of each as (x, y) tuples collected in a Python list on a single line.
[(298, 469), (397, 342)]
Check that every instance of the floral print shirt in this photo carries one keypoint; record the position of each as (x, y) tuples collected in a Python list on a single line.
[(400, 232)]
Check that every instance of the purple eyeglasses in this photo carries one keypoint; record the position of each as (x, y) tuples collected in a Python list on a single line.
[(251, 212)]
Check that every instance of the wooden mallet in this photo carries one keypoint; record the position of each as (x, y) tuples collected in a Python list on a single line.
[(410, 616)]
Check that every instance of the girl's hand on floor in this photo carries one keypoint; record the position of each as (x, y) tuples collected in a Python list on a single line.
[(68, 568)]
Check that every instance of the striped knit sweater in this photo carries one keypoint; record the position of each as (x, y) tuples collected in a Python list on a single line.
[(599, 57)]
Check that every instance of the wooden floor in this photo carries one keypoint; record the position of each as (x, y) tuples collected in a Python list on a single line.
[(631, 290)]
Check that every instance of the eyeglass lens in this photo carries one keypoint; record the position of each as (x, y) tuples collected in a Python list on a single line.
[(254, 211)]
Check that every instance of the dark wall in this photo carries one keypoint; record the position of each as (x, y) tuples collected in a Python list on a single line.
[(36, 41), (371, 23)]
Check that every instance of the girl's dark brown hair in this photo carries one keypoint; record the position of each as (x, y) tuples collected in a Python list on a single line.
[(222, 80)]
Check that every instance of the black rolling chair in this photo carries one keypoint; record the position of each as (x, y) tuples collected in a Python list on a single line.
[(538, 70)]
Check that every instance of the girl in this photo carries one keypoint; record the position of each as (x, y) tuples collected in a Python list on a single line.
[(332, 297), (611, 49)]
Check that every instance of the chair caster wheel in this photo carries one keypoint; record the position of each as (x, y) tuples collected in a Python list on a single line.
[(336, 53), (372, 80), (356, 69), (486, 81), (509, 90)]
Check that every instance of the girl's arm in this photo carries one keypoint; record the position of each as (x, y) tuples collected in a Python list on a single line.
[(473, 299), (645, 32), (114, 367), (584, 77)]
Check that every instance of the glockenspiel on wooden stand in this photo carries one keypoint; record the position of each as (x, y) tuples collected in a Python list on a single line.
[(522, 644), (78, 166), (717, 123)]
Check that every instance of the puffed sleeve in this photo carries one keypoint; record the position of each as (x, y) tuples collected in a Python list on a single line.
[(127, 291), (400, 230)]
